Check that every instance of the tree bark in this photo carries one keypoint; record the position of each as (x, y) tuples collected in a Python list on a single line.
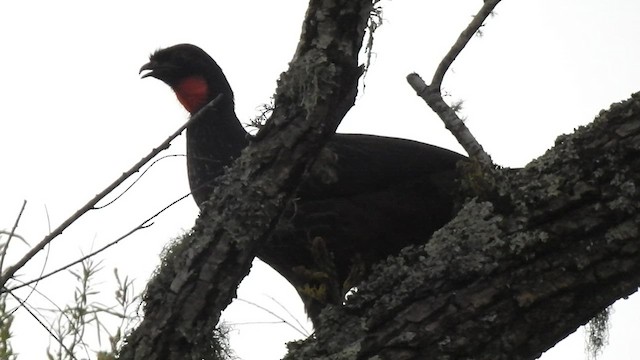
[(514, 273), (199, 278), (520, 267)]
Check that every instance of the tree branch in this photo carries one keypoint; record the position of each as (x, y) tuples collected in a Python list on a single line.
[(90, 205), (12, 233), (185, 299), (508, 279), (432, 94), (143, 225), (461, 43)]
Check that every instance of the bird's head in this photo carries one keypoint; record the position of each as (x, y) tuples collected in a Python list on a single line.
[(192, 74)]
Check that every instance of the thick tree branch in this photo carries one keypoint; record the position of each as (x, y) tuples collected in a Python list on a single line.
[(510, 277), (184, 301)]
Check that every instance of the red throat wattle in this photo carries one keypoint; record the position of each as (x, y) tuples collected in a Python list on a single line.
[(192, 92)]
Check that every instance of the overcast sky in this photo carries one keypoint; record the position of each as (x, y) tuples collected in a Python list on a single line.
[(74, 115)]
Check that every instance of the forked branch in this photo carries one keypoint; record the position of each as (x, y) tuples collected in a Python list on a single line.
[(432, 94)]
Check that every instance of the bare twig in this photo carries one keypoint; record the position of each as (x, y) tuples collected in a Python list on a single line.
[(289, 313), (44, 266), (282, 320), (5, 232), (90, 205), (35, 283), (134, 182), (462, 41), (5, 248), (432, 94), (24, 303), (451, 120), (146, 223), (46, 212), (44, 326)]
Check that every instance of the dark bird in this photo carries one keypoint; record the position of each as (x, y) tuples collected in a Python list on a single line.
[(365, 198)]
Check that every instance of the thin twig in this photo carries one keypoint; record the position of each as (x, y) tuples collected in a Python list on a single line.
[(35, 312), (90, 205), (5, 232), (135, 181), (146, 223), (34, 289), (22, 304), (462, 41), (5, 248), (44, 263), (432, 94), (46, 213), (288, 312), (274, 314)]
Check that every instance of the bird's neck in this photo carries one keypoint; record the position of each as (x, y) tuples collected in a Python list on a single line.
[(192, 92), (213, 142)]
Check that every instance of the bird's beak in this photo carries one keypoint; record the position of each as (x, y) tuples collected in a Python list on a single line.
[(148, 66)]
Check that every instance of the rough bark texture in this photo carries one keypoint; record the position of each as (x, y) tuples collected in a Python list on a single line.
[(184, 300), (516, 271)]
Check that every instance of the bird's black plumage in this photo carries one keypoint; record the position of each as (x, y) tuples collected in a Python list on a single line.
[(364, 199)]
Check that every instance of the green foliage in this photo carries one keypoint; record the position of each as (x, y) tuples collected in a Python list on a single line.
[(70, 328), (6, 319)]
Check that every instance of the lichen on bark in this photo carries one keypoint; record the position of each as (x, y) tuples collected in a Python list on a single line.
[(508, 281)]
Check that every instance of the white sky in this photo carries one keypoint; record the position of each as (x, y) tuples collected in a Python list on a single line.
[(74, 115)]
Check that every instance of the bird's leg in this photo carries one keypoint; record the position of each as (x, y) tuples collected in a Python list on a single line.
[(358, 272), (322, 285)]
